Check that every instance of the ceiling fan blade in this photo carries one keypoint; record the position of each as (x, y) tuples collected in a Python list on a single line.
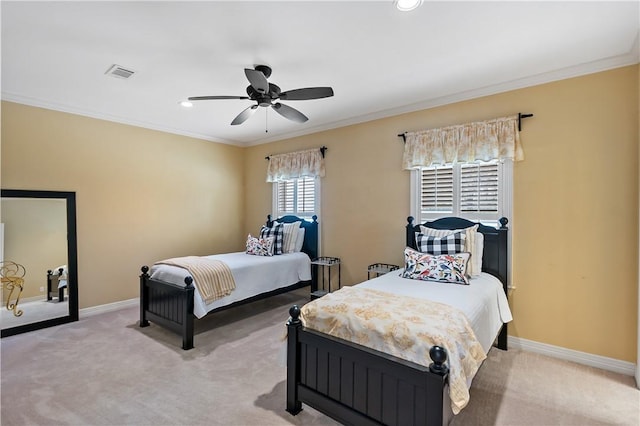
[(258, 80), (242, 117), (307, 93), (206, 98), (290, 113)]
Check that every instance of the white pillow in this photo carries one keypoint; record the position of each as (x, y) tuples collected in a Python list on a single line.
[(470, 245), (299, 241), (290, 236), (477, 259)]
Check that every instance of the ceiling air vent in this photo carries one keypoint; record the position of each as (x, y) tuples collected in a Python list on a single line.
[(120, 72)]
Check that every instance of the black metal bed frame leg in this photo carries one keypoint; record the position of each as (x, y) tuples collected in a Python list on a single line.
[(294, 406), (144, 299)]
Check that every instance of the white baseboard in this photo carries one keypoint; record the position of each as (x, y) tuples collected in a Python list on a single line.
[(597, 361), (109, 307)]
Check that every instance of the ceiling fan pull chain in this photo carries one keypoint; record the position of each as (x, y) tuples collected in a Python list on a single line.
[(266, 126)]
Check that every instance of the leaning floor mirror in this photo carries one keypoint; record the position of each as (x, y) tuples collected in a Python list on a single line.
[(38, 260)]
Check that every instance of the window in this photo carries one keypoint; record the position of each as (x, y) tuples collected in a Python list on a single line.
[(476, 191), (299, 197)]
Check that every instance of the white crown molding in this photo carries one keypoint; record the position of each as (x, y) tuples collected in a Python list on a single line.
[(630, 58), (109, 307), (40, 103), (597, 361)]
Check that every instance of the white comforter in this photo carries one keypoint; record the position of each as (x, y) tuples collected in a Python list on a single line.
[(253, 275), (482, 301)]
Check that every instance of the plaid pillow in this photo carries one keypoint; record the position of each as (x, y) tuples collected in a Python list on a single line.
[(449, 244), (278, 233)]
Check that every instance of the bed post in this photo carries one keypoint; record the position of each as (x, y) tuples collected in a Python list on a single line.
[(144, 299), (438, 405), (410, 238), (49, 283), (502, 235), (187, 315), (294, 406)]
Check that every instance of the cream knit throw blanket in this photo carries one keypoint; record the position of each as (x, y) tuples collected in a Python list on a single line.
[(212, 278)]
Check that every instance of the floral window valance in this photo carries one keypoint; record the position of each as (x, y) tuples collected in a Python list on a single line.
[(292, 165), (464, 143)]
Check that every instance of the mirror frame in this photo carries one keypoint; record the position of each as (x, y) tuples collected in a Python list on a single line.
[(72, 259)]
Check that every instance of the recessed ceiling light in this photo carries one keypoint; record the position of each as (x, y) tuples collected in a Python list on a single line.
[(186, 104), (407, 5)]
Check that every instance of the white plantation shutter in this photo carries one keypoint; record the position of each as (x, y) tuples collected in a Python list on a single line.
[(479, 190), (306, 196), (296, 197), (437, 190), (476, 191), (286, 195)]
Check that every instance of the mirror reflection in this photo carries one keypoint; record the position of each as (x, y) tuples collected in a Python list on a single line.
[(34, 259)]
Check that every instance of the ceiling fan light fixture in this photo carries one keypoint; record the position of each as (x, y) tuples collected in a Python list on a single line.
[(407, 5), (186, 104)]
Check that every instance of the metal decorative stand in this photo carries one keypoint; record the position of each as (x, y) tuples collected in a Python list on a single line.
[(12, 277)]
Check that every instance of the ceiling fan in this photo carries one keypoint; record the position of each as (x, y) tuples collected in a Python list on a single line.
[(264, 93)]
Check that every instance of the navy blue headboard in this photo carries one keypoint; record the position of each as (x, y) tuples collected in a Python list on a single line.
[(494, 257), (310, 245)]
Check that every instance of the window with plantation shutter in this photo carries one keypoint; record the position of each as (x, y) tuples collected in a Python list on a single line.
[(437, 190), (476, 191), (479, 188), (296, 197)]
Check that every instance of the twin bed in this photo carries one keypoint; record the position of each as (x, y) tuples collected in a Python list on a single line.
[(360, 385), (169, 298)]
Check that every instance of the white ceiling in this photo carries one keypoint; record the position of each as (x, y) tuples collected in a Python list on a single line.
[(379, 61)]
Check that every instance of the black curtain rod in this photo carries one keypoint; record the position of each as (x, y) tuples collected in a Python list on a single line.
[(520, 117), (322, 150)]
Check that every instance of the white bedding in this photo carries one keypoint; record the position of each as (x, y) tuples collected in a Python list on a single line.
[(253, 275), (482, 301)]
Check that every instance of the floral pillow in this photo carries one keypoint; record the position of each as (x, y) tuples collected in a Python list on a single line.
[(260, 246), (449, 268)]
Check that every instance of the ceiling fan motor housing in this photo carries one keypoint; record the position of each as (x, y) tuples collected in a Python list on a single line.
[(264, 99)]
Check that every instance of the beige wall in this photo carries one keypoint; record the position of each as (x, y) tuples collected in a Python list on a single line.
[(142, 195), (575, 224)]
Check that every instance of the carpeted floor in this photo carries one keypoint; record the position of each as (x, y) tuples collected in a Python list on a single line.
[(105, 370)]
